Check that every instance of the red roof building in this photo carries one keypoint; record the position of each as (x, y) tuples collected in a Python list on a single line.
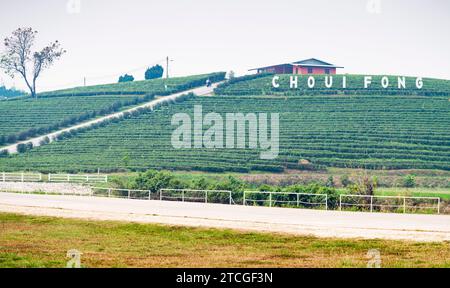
[(310, 66)]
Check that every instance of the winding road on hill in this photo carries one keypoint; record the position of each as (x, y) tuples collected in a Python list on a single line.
[(320, 223), (37, 141)]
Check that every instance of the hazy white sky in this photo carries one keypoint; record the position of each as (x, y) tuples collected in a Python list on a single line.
[(110, 37)]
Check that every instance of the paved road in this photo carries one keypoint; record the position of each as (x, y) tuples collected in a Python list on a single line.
[(283, 220), (201, 91)]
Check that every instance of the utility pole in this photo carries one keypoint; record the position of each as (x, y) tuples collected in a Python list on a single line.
[(84, 81), (167, 67)]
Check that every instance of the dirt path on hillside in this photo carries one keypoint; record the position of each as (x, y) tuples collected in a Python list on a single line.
[(200, 91)]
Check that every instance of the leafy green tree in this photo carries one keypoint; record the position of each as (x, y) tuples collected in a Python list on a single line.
[(126, 78), (4, 153), (231, 184), (21, 148), (154, 72), (267, 188), (409, 181), (364, 185), (200, 183), (153, 180), (5, 92)]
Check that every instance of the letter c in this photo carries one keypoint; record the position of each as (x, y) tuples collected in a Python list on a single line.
[(275, 83)]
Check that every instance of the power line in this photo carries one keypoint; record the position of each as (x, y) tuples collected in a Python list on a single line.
[(167, 66), (129, 71), (86, 78)]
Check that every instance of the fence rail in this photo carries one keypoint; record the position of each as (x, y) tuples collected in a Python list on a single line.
[(191, 195), (283, 199), (123, 193), (20, 177), (182, 195), (38, 177), (370, 203), (373, 203), (74, 178)]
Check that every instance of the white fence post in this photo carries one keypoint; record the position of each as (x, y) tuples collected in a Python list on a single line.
[(68, 177), (439, 206), (4, 177), (273, 202), (206, 196), (371, 203), (23, 177), (231, 199), (397, 204), (160, 194), (149, 195)]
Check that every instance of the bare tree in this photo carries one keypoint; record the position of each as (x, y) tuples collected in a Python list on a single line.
[(19, 59), (364, 185)]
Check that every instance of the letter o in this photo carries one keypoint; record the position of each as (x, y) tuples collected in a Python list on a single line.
[(385, 82), (311, 82)]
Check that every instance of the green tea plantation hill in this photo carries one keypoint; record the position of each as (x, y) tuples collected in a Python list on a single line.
[(24, 117), (373, 128)]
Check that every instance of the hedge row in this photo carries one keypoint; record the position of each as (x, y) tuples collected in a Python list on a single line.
[(116, 106), (22, 148)]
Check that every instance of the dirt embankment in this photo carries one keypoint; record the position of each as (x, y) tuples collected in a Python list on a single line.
[(35, 187), (394, 178)]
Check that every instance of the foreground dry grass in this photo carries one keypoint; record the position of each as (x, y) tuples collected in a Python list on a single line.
[(27, 241)]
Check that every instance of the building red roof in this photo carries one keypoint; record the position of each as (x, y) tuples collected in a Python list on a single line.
[(312, 62)]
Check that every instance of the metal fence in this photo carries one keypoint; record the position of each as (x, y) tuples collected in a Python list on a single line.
[(181, 195), (203, 196), (369, 203), (46, 192), (20, 177), (74, 178), (123, 193), (286, 199), (397, 204)]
